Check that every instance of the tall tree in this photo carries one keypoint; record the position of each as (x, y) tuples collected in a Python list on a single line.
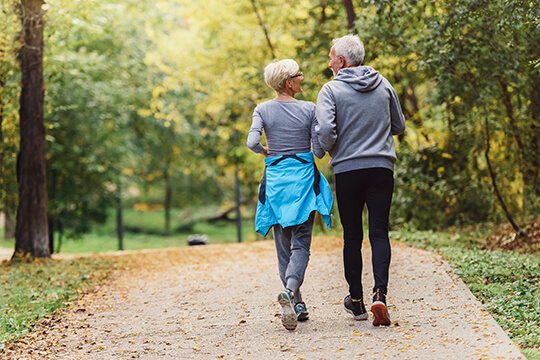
[(351, 16), (2, 83), (31, 233)]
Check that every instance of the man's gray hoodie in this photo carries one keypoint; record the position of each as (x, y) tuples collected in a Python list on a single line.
[(358, 112)]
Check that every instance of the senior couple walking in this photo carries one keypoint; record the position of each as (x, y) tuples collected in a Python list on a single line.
[(356, 115)]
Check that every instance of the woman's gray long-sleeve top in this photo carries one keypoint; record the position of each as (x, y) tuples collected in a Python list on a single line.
[(289, 127)]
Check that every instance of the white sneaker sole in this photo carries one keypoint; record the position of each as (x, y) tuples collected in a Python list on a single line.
[(357, 317), (288, 317)]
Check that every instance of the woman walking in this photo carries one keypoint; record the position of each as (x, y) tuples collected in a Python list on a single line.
[(291, 188)]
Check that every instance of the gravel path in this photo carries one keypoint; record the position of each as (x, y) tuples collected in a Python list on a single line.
[(219, 302), (5, 253)]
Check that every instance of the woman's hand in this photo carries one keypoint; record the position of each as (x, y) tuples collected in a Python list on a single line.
[(264, 151)]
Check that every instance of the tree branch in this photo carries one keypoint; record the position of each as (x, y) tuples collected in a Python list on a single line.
[(490, 168), (264, 29)]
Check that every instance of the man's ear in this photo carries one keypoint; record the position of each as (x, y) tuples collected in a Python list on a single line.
[(342, 59)]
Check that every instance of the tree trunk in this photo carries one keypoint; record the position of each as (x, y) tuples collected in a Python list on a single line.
[(535, 113), (119, 225), (31, 232), (528, 157), (238, 202), (492, 173), (53, 217), (9, 207), (50, 222), (60, 232), (2, 82), (487, 150), (535, 138), (168, 197), (494, 181), (351, 16)]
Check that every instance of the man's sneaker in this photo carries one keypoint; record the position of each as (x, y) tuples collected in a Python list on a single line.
[(378, 308), (355, 308), (301, 311), (288, 317)]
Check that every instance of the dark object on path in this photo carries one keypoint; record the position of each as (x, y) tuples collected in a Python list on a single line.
[(197, 240)]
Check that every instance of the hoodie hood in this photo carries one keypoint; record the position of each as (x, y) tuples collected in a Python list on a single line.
[(360, 78)]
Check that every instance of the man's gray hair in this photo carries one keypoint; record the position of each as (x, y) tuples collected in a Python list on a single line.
[(351, 48)]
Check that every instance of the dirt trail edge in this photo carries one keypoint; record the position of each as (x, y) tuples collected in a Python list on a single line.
[(219, 302)]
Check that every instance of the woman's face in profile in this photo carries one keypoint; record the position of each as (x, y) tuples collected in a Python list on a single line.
[(296, 82)]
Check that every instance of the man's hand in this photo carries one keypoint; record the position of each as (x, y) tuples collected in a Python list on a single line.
[(264, 151)]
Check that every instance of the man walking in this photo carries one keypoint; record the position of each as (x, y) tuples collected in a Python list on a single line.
[(358, 112)]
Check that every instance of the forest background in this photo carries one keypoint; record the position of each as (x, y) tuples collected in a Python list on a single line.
[(148, 104)]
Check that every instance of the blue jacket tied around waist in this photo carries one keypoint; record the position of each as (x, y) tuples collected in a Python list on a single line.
[(291, 188)]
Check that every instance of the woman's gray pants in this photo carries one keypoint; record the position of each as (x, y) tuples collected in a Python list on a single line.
[(292, 247)]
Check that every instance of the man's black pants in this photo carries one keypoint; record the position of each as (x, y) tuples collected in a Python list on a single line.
[(372, 187)]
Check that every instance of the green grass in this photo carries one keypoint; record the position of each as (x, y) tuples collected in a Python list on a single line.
[(7, 243), (150, 225), (217, 233), (31, 290), (507, 283)]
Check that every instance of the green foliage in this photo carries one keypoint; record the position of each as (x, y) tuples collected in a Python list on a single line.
[(30, 291), (99, 241), (432, 192), (94, 87), (152, 102), (481, 54), (208, 100), (455, 65), (9, 93)]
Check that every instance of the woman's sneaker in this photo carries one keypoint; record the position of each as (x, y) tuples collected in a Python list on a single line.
[(288, 317), (301, 311), (378, 308), (355, 308)]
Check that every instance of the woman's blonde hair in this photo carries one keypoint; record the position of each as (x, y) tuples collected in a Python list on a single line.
[(278, 72)]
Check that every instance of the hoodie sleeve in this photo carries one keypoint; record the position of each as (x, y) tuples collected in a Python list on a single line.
[(255, 132), (396, 114), (326, 118), (317, 149)]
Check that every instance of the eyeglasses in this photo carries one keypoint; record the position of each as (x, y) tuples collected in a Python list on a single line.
[(297, 75)]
